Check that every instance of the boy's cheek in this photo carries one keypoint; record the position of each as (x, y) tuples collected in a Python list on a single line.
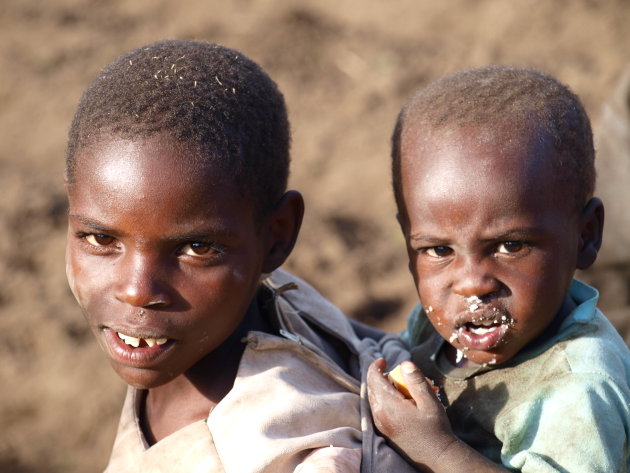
[(72, 281)]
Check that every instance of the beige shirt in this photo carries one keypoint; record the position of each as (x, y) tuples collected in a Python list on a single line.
[(289, 399)]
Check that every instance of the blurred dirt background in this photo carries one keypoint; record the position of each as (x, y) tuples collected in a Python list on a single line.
[(346, 68)]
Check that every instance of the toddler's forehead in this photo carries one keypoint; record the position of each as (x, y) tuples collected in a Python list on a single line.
[(477, 162), (510, 146)]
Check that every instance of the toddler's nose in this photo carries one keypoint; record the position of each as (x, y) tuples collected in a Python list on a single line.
[(473, 278)]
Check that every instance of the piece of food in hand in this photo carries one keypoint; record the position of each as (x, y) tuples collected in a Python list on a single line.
[(396, 378)]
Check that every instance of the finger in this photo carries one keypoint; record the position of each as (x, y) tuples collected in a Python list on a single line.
[(380, 390), (380, 364), (416, 382)]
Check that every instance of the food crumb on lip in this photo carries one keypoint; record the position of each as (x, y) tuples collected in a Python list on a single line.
[(459, 356)]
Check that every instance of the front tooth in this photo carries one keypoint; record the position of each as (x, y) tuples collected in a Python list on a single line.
[(161, 341), (481, 330), (129, 340), (150, 341)]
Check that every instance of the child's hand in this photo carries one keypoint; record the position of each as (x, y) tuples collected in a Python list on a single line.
[(421, 431)]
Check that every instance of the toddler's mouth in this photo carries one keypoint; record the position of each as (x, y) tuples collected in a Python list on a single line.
[(482, 332)]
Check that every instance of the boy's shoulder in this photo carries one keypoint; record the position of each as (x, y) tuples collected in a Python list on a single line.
[(302, 311)]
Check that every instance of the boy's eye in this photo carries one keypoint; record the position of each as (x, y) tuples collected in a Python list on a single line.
[(199, 248), (98, 239), (510, 247), (438, 251)]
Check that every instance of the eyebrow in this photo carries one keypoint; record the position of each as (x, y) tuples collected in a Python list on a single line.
[(427, 239), (89, 223), (512, 234), (518, 234), (201, 234)]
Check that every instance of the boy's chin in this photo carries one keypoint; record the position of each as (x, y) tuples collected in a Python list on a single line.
[(140, 378)]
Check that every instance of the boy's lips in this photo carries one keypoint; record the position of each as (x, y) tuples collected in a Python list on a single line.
[(136, 348)]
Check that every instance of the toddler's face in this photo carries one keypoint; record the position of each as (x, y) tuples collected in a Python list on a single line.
[(491, 238), (164, 257)]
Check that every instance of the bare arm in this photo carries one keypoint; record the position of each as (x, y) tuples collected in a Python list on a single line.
[(420, 431)]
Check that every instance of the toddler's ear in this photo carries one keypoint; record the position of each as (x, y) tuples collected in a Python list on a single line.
[(282, 229), (591, 228)]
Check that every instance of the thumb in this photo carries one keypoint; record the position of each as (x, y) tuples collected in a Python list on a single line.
[(416, 382)]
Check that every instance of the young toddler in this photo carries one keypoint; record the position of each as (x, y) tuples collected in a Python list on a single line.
[(493, 174)]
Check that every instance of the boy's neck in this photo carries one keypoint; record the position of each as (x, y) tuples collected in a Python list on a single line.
[(191, 396)]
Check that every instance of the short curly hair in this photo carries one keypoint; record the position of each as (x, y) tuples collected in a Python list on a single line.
[(212, 99), (490, 97)]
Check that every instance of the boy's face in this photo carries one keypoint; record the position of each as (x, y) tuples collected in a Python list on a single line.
[(160, 252), (492, 238)]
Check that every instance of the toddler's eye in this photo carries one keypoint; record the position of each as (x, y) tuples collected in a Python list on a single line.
[(438, 251), (510, 247), (98, 239), (199, 248)]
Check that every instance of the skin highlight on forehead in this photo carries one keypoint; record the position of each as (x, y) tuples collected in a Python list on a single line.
[(436, 163)]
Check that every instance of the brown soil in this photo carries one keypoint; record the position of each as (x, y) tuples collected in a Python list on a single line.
[(345, 68)]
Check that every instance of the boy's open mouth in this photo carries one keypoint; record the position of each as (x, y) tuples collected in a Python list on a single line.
[(139, 350), (141, 342)]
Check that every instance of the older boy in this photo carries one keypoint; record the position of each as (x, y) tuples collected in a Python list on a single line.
[(493, 173), (176, 177)]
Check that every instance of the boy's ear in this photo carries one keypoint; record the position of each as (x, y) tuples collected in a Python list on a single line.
[(283, 226), (591, 230)]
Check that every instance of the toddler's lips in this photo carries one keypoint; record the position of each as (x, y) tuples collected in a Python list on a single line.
[(483, 333), (481, 338)]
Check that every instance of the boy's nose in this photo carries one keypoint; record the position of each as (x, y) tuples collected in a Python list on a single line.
[(473, 278), (140, 284)]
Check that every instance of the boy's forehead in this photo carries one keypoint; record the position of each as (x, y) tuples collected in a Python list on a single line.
[(136, 177), (118, 161), (151, 170)]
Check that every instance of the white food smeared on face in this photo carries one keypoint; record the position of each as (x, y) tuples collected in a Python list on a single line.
[(459, 356), (474, 302)]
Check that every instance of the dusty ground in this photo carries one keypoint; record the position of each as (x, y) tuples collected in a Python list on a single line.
[(345, 68)]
